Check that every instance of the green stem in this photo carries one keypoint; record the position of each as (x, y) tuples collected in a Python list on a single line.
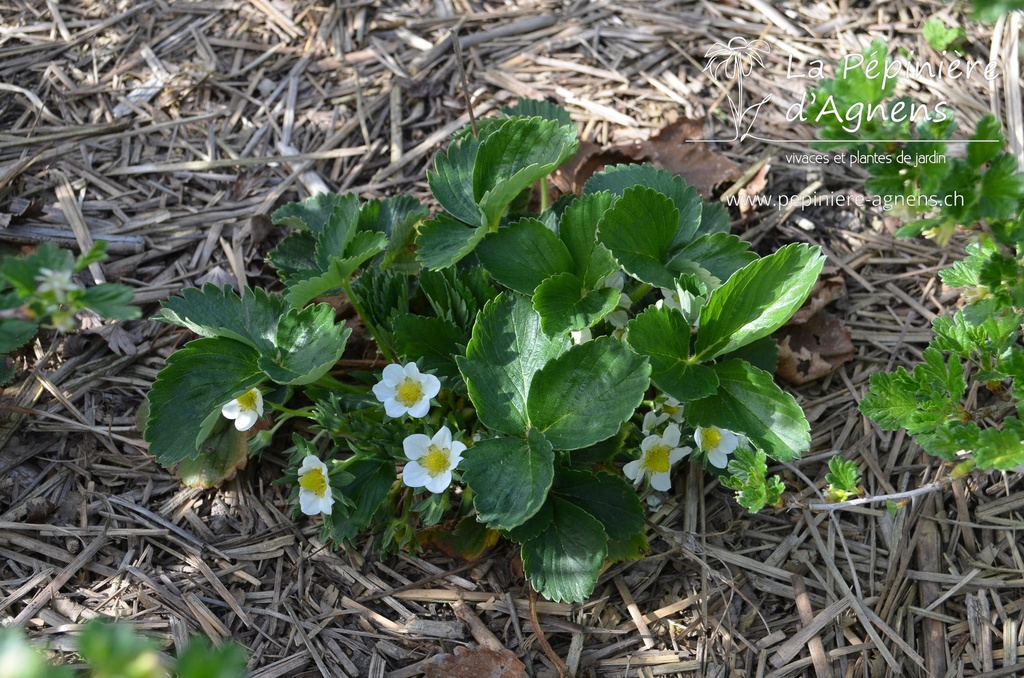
[(381, 346), (327, 381), (638, 294), (543, 194), (289, 411)]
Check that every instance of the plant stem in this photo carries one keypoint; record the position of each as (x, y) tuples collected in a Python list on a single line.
[(560, 666), (543, 194), (924, 489), (289, 411)]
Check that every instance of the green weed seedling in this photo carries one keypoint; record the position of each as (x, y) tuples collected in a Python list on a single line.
[(546, 363), (980, 342)]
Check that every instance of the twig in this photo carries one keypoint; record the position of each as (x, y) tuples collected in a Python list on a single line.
[(465, 81), (924, 489), (560, 666)]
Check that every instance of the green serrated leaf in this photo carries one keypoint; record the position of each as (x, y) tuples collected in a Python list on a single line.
[(15, 333), (757, 300), (530, 108), (564, 304), (1002, 188), (313, 213), (97, 253), (578, 230), (507, 348), (451, 182), (198, 380), (720, 254), (986, 143), (843, 475), (295, 257), (941, 37), (989, 11), (443, 241), (365, 482), (616, 179), (219, 312), (749, 402), (608, 497), (581, 397), (308, 342), (523, 254), (892, 399), (999, 450), (510, 478), (564, 561), (520, 152), (639, 230), (663, 335), (363, 246)]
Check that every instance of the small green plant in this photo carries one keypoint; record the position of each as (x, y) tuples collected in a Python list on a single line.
[(115, 651), (941, 37), (540, 360), (981, 193), (843, 480), (39, 291)]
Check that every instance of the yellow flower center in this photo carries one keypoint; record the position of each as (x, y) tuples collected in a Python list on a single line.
[(314, 481), (248, 399), (711, 438), (669, 409), (656, 459), (436, 460), (409, 392)]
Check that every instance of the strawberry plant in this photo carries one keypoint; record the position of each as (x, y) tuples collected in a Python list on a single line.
[(533, 356)]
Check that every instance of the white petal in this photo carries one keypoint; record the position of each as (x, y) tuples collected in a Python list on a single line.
[(457, 449), (311, 462), (245, 420), (718, 459), (443, 438), (415, 446), (231, 409), (431, 385), (412, 371), (671, 435), (309, 503), (394, 409), (420, 409), (698, 437), (678, 453), (383, 391), (729, 441), (440, 482), (649, 441), (661, 481), (325, 503), (650, 421), (415, 475), (632, 469), (392, 375)]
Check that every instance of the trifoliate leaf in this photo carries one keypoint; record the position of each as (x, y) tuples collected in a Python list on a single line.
[(443, 241), (451, 181), (313, 213), (616, 179), (362, 247), (510, 478), (664, 337)]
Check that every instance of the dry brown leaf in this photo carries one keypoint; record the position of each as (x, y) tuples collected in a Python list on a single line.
[(829, 287), (753, 187), (476, 662), (813, 349), (667, 148)]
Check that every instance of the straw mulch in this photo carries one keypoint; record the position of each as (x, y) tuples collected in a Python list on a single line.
[(172, 129)]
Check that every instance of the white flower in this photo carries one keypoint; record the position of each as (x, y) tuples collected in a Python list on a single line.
[(717, 444), (581, 336), (652, 420), (403, 390), (57, 282), (314, 488), (672, 408), (431, 460), (657, 455), (245, 409), (672, 299)]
